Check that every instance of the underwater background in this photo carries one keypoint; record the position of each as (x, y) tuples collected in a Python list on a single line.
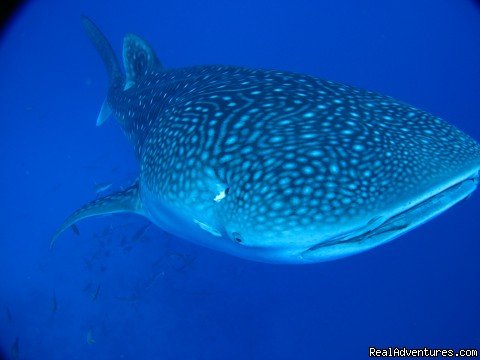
[(121, 289)]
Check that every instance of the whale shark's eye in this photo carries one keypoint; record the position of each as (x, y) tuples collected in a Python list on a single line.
[(237, 237)]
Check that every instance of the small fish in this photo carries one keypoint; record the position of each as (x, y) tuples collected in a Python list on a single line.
[(140, 232), (87, 287), (90, 339), (153, 278), (100, 188), (95, 294), (54, 303), (15, 350), (8, 314), (75, 229)]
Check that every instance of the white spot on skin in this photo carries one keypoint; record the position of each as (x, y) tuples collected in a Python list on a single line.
[(231, 140), (334, 169), (220, 196)]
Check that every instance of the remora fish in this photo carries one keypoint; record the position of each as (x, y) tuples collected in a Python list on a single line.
[(276, 166), (15, 349), (54, 303), (102, 187), (95, 294), (90, 339), (9, 316)]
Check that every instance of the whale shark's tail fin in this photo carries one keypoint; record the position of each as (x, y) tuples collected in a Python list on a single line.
[(127, 200), (115, 75), (105, 50), (139, 59)]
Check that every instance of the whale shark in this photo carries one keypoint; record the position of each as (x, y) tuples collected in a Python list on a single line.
[(275, 166)]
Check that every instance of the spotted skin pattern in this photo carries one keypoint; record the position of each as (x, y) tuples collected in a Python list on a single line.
[(296, 152), (267, 164)]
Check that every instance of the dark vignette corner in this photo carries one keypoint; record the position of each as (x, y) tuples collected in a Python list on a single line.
[(8, 9)]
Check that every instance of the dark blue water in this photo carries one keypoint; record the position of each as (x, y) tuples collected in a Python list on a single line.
[(162, 298)]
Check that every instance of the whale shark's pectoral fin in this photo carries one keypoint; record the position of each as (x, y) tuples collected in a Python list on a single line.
[(127, 200), (139, 59)]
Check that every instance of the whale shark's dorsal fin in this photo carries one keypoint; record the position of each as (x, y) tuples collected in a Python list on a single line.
[(105, 50), (127, 200), (139, 59)]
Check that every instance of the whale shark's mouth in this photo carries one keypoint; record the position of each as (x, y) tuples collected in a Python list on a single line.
[(377, 231)]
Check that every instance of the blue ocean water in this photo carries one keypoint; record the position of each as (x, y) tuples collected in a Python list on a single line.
[(123, 290)]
